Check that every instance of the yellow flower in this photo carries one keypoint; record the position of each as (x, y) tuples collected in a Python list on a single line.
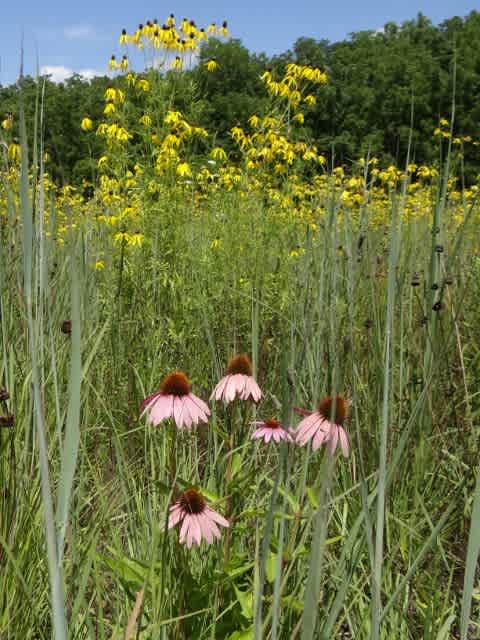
[(218, 153), (215, 243), (14, 152), (124, 64), (223, 31), (311, 100), (7, 123), (99, 265), (145, 120), (444, 122), (136, 240), (212, 64), (183, 170), (121, 236), (112, 63), (86, 124), (299, 117), (144, 85), (177, 63), (109, 108), (212, 28)]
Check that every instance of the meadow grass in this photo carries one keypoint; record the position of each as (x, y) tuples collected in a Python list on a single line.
[(329, 300)]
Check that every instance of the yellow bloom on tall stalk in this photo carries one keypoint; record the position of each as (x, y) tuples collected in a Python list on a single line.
[(212, 64), (144, 85), (123, 37), (183, 170), (14, 152), (145, 120), (177, 63), (223, 31), (136, 240), (7, 122), (124, 64), (86, 124), (109, 108), (218, 153)]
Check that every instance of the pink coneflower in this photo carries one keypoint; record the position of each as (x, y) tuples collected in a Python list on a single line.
[(270, 429), (175, 400), (325, 425), (197, 518), (238, 382)]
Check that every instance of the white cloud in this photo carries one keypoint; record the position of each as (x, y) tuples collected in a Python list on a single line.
[(59, 73), (80, 32)]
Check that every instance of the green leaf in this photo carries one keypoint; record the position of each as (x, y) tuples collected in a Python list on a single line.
[(245, 599)]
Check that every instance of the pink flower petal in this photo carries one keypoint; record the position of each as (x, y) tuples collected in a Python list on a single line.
[(206, 528), (161, 410), (219, 389), (308, 428), (199, 409), (184, 528), (333, 440), (344, 443), (318, 439), (196, 529), (216, 517), (252, 390), (268, 435), (176, 515)]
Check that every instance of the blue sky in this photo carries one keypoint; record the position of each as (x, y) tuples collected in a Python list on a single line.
[(66, 36)]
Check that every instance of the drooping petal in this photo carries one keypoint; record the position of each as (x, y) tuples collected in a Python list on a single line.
[(319, 438), (206, 527), (252, 390), (344, 443), (219, 389), (259, 433), (161, 410), (216, 517), (333, 440), (148, 402), (196, 529), (308, 428), (268, 435), (184, 528), (199, 409), (178, 405), (176, 515)]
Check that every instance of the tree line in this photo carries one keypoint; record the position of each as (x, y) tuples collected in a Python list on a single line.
[(386, 89)]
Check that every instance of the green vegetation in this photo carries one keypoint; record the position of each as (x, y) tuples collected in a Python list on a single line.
[(187, 246)]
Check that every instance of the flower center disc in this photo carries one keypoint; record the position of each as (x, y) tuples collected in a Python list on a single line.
[(240, 364), (192, 501), (271, 423), (334, 408), (175, 384)]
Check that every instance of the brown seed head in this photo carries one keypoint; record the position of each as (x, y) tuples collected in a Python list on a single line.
[(271, 423), (334, 408), (4, 395), (240, 363), (192, 501), (67, 327), (175, 384), (7, 421)]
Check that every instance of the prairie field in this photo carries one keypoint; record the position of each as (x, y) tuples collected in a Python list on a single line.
[(326, 312)]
